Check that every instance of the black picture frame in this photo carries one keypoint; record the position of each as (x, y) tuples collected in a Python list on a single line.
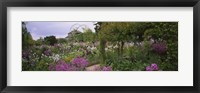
[(100, 3)]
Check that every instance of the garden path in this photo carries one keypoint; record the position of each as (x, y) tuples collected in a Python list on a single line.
[(90, 68)]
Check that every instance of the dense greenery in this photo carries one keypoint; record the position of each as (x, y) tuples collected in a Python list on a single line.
[(27, 39), (118, 46), (142, 32), (50, 40)]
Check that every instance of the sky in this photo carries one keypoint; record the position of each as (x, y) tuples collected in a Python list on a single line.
[(58, 29)]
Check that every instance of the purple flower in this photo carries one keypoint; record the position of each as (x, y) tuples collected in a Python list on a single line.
[(33, 63), (160, 47), (80, 63), (154, 66), (107, 68), (51, 67), (62, 66), (47, 52), (44, 47), (57, 45), (148, 68), (25, 54), (76, 65)]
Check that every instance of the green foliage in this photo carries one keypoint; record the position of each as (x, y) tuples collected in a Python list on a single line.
[(89, 36), (43, 64), (102, 50), (62, 40), (50, 40), (124, 57), (79, 37), (27, 39), (39, 42), (86, 36), (55, 50), (122, 65), (166, 31), (111, 56), (121, 32), (26, 65)]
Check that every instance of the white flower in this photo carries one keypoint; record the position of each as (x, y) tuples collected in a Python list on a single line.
[(116, 46), (55, 57), (106, 49), (110, 46), (88, 47), (93, 48)]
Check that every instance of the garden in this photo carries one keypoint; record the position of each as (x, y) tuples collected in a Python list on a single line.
[(112, 46)]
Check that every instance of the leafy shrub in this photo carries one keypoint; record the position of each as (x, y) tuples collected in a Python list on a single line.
[(50, 40)]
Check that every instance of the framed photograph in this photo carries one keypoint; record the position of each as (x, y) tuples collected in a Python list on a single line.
[(100, 46)]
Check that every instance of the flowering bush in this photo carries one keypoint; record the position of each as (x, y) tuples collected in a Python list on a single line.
[(55, 57), (153, 67), (160, 47), (68, 59), (51, 67), (148, 68), (119, 46), (62, 66), (76, 65), (80, 63), (47, 52), (25, 54)]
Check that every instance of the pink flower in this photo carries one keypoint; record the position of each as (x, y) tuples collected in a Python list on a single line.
[(153, 67), (107, 68), (148, 68), (51, 67), (160, 47), (80, 62)]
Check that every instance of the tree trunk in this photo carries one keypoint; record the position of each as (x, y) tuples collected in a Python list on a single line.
[(121, 50), (118, 50), (102, 50)]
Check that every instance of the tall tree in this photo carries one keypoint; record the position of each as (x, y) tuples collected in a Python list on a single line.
[(27, 39), (50, 40)]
